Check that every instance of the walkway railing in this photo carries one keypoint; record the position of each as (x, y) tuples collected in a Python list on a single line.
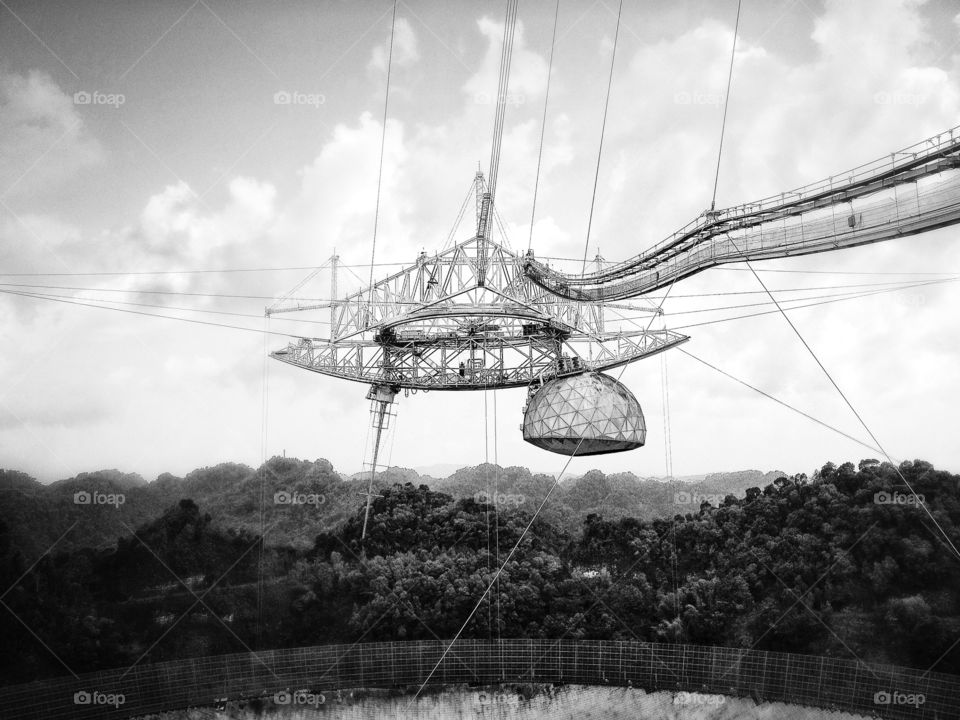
[(909, 192), (830, 683)]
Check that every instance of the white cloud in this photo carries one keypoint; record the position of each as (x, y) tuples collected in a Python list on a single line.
[(336, 201), (178, 223), (528, 69), (42, 137), (31, 242), (405, 49)]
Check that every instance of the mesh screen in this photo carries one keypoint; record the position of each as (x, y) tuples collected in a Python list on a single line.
[(591, 410)]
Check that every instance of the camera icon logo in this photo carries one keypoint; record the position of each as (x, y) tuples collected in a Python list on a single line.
[(82, 498), (82, 97), (281, 97), (82, 697)]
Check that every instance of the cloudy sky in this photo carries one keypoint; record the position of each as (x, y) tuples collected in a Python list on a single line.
[(146, 138)]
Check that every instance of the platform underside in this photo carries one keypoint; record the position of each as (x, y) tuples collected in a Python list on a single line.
[(485, 364)]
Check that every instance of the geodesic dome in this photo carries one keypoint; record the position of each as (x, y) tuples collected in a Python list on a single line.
[(586, 414)]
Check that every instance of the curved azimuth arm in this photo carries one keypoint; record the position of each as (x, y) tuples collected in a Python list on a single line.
[(908, 192)]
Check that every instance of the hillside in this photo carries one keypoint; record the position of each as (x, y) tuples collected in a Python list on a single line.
[(877, 579), (39, 515)]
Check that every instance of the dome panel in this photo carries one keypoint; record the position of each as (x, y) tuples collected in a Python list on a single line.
[(588, 414)]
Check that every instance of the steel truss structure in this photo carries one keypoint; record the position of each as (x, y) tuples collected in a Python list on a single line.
[(468, 318), (911, 191)]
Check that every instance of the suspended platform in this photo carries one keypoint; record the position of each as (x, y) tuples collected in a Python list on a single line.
[(469, 319)]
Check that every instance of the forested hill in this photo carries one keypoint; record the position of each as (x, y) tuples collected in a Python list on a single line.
[(37, 515), (845, 563)]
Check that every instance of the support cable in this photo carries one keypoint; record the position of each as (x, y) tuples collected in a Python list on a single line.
[(460, 214), (383, 141), (726, 104), (296, 288), (263, 473), (496, 518), (769, 396), (852, 295), (849, 404), (779, 308), (779, 401), (489, 500), (797, 332), (668, 468), (349, 268), (523, 534), (855, 296), (37, 296), (97, 303), (603, 128), (119, 273), (179, 308), (669, 429), (794, 327), (506, 55), (503, 229), (393, 438), (543, 125)]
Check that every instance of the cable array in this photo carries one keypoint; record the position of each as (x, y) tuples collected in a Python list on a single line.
[(506, 55), (543, 124), (383, 144), (726, 105), (603, 128)]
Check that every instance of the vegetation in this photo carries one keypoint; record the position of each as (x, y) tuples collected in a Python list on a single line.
[(842, 562), (40, 515)]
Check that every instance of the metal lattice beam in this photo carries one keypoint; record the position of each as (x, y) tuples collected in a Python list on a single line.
[(908, 192), (468, 318)]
